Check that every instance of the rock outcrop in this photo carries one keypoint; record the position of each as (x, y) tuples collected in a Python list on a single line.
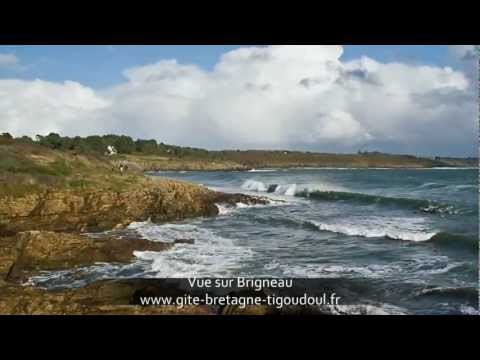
[(98, 210), (43, 231), (102, 210), (102, 297), (31, 251)]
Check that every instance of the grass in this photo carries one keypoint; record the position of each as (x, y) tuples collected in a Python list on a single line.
[(30, 168), (280, 159)]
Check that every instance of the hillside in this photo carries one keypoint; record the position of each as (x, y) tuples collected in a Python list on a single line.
[(245, 160), (51, 200), (148, 155)]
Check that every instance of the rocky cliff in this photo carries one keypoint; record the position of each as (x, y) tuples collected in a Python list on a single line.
[(98, 210), (44, 231)]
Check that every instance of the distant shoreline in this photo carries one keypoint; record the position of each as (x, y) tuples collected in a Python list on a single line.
[(316, 168)]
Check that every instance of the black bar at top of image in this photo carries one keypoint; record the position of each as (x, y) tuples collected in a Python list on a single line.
[(241, 25)]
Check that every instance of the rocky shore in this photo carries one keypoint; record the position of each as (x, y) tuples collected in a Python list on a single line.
[(99, 210), (48, 231)]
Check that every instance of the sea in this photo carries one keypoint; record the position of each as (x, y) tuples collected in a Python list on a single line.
[(404, 240)]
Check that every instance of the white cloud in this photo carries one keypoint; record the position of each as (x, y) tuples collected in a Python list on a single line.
[(40, 107), (8, 60), (301, 97)]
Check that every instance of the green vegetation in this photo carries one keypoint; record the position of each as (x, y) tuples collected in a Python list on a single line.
[(53, 161), (150, 150), (29, 167)]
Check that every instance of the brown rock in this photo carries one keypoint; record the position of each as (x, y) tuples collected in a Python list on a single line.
[(45, 250), (103, 297), (92, 211)]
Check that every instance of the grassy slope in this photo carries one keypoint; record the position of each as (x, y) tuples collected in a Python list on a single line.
[(27, 168), (32, 168)]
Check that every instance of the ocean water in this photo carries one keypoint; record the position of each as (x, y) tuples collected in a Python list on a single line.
[(402, 239)]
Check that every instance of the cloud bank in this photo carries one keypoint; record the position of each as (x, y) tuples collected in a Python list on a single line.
[(275, 97)]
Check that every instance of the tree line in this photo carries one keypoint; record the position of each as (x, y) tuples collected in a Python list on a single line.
[(97, 144)]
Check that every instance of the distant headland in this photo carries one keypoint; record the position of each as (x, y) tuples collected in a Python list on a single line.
[(150, 155)]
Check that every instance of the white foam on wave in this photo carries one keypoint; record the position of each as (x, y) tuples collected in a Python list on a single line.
[(450, 168), (262, 170), (79, 277), (253, 185), (335, 270), (290, 189), (465, 186), (433, 264), (383, 309), (138, 224), (209, 256), (469, 310), (442, 270), (408, 229), (416, 269), (430, 185), (224, 210)]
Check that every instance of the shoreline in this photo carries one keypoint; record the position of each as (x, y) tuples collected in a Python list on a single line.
[(46, 224), (269, 169), (51, 199), (36, 248)]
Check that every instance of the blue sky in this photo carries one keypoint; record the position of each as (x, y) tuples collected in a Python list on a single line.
[(101, 66), (309, 97)]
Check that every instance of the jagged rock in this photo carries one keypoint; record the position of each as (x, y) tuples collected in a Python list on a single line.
[(93, 211), (39, 231), (102, 297), (45, 250), (233, 199), (184, 241)]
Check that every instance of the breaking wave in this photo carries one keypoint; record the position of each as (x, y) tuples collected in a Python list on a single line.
[(253, 185), (328, 192), (426, 206), (414, 232), (463, 292), (209, 256), (376, 231)]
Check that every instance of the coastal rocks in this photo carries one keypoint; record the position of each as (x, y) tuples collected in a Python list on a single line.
[(99, 210), (102, 297), (45, 250), (272, 188), (233, 199), (42, 231)]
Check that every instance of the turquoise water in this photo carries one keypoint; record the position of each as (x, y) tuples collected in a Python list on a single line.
[(402, 239)]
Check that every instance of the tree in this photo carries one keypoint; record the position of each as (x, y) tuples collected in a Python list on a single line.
[(6, 135), (124, 144), (6, 138), (93, 143), (24, 140), (52, 140), (146, 146)]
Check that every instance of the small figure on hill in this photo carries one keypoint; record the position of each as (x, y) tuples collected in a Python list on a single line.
[(123, 168)]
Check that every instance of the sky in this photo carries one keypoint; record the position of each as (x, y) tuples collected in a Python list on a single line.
[(419, 100)]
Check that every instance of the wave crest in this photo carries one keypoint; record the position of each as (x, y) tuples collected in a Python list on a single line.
[(328, 192), (375, 232)]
